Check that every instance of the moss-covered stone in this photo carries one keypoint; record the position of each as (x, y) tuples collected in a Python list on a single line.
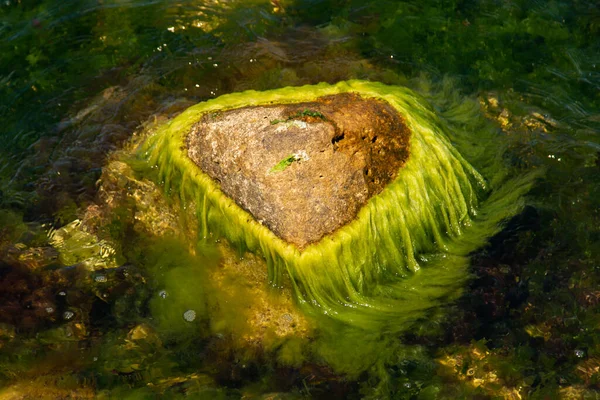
[(303, 170), (405, 250)]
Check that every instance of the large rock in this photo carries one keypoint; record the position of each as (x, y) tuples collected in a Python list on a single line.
[(367, 207), (305, 169)]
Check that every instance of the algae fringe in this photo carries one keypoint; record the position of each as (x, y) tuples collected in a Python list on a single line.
[(406, 250)]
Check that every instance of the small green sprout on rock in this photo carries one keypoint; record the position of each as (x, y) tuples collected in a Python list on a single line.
[(286, 162), (300, 114), (308, 113), (215, 115)]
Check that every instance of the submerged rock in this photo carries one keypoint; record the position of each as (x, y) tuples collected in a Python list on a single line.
[(357, 194), (302, 169)]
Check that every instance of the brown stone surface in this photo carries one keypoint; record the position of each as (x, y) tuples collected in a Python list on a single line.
[(341, 150)]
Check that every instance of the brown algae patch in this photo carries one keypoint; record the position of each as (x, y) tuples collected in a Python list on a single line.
[(305, 169)]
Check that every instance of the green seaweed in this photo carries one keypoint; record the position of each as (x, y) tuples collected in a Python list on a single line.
[(308, 113), (177, 281), (283, 164), (300, 114)]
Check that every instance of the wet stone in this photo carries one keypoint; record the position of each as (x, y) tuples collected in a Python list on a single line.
[(305, 169)]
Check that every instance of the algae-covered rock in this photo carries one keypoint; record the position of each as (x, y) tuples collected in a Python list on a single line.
[(357, 193), (76, 245), (305, 169)]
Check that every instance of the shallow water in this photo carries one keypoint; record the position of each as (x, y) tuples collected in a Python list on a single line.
[(90, 247)]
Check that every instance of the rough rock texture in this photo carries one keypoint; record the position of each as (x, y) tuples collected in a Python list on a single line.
[(303, 169)]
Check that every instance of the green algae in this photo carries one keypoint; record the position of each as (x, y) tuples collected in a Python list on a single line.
[(12, 225), (407, 249), (178, 279), (283, 164), (300, 114)]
